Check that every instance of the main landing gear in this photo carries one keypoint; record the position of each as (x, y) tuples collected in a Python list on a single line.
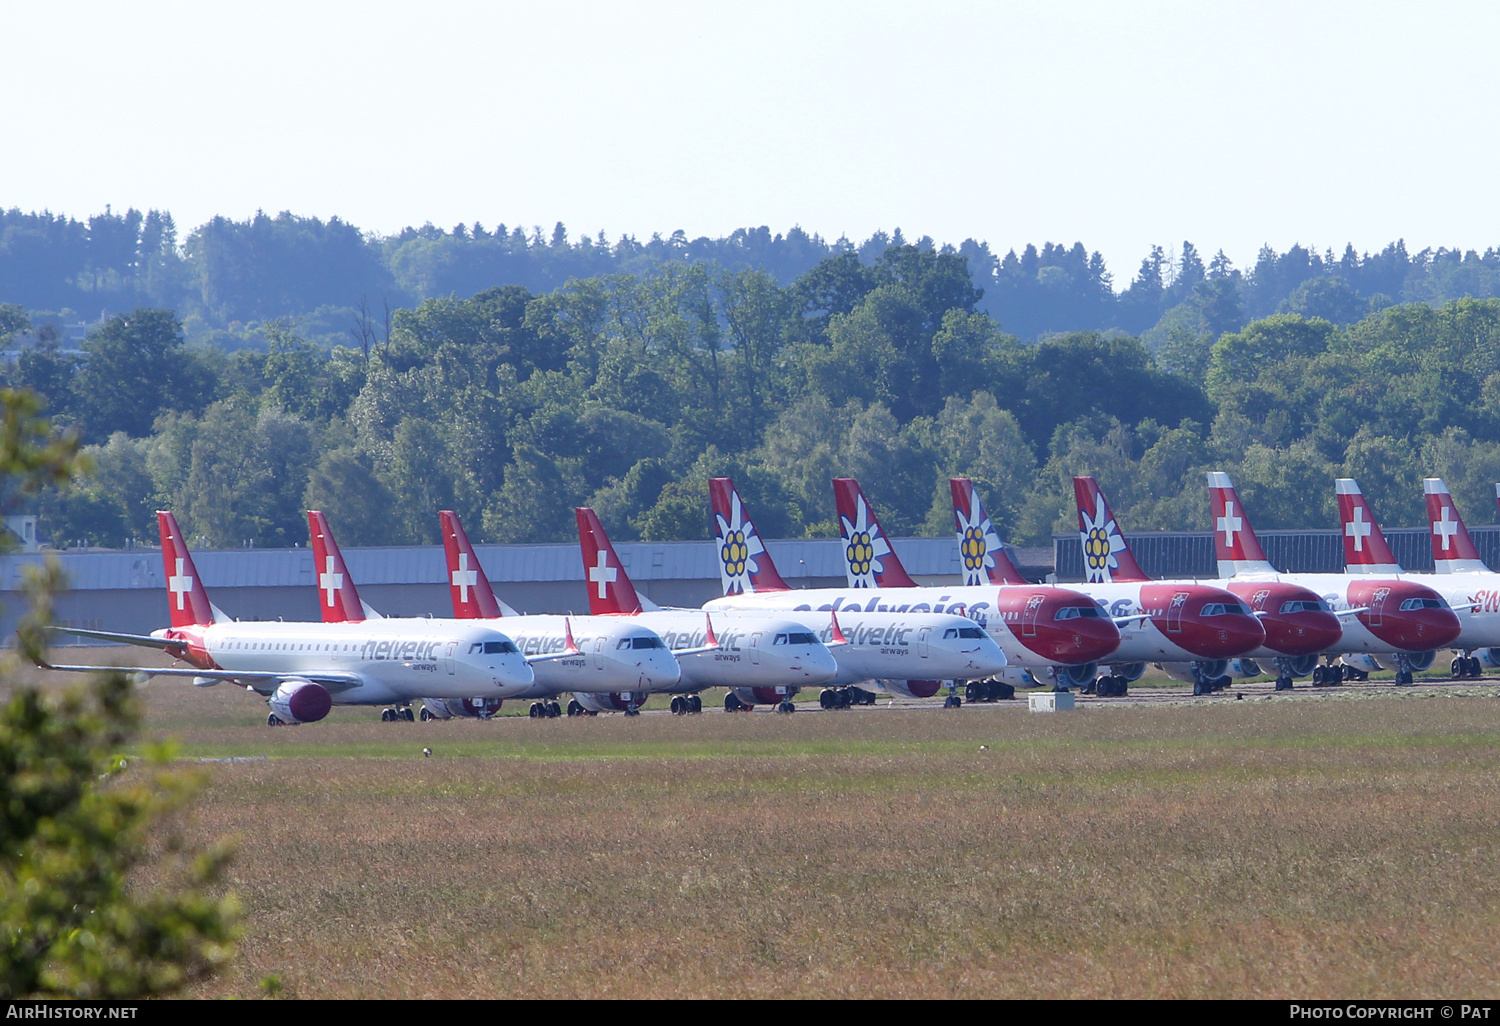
[(843, 698), (1466, 668), (548, 710), (685, 705), (988, 691), (402, 714), (1111, 685)]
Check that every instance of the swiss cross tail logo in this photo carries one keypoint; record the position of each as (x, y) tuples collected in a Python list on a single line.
[(1358, 528), (464, 578), (603, 574), (1230, 525), (1446, 527), (330, 581), (180, 584)]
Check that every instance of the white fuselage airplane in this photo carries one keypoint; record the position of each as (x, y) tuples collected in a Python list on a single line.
[(1386, 619), (765, 657), (306, 668), (590, 655), (907, 652)]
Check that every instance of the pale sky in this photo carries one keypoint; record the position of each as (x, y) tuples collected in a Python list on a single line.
[(1117, 124)]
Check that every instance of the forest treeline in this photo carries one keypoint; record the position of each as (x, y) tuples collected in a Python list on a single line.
[(627, 392), (228, 280)]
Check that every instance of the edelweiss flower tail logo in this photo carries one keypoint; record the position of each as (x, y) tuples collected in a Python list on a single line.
[(864, 545), (977, 540), (744, 563), (1101, 542)]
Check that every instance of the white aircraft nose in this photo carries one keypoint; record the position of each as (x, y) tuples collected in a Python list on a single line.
[(815, 663)]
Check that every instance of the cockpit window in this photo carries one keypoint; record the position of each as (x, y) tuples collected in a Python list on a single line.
[(780, 640), (1421, 603), (802, 639), (950, 633), (647, 642), (1076, 612), (970, 632), (499, 647), (1223, 609), (476, 648), (1304, 606)]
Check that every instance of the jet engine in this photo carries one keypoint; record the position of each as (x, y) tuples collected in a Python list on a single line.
[(1075, 676), (1365, 661), (1130, 671), (617, 701), (300, 701), (1489, 658), (912, 688), (1243, 667), (447, 708), (1420, 661), (1211, 669)]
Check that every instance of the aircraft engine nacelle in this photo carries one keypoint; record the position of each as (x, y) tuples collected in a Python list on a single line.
[(1130, 671), (300, 701), (1016, 677), (767, 695), (1302, 665), (1365, 661), (912, 688), (1243, 667), (1420, 661), (1489, 658), (1209, 668), (1075, 676), (447, 708), (615, 701)]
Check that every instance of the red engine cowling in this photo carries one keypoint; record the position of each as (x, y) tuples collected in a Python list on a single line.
[(300, 701), (766, 695), (617, 701), (912, 688)]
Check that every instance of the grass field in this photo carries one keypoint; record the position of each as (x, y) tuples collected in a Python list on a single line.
[(1299, 846)]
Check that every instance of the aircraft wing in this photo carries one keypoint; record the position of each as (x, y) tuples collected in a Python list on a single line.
[(1350, 612), (144, 640), (334, 682)]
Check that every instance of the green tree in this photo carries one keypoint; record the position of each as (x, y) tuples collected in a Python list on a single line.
[(137, 367), (78, 823)]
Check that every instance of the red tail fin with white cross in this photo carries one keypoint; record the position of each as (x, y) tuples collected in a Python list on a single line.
[(473, 598), (186, 597), (1453, 551), (869, 560), (1365, 547), (610, 590), (1235, 544), (338, 598)]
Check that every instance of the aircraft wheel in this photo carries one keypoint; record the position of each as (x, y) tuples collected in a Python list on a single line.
[(695, 703), (274, 721), (1459, 668), (827, 698), (575, 708), (952, 702), (406, 715), (786, 707), (387, 715), (535, 712), (732, 702), (426, 715)]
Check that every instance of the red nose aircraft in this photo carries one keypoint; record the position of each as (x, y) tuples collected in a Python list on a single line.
[(1403, 621)]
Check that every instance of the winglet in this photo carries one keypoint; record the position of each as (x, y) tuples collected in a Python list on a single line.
[(1106, 554), (1365, 547), (569, 645), (837, 635), (869, 560), (1453, 551)]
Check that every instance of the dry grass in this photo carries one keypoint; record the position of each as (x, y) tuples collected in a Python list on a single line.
[(1275, 849)]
